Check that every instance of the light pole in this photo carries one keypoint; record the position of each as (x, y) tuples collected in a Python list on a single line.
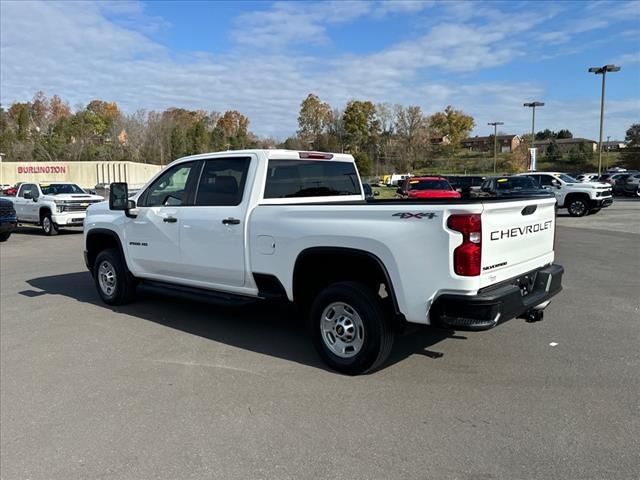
[(608, 148), (533, 106), (602, 71), (495, 143)]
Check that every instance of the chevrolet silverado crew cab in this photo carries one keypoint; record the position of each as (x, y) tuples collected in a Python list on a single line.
[(579, 198), (52, 205), (295, 226)]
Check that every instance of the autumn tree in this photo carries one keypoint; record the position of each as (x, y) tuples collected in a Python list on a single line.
[(454, 124), (313, 119)]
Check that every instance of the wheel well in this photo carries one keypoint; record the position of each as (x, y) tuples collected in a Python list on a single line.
[(99, 241), (44, 211), (571, 196), (317, 268)]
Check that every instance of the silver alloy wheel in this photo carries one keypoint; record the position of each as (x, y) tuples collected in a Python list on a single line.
[(638, 192), (577, 207), (46, 224), (107, 278), (342, 330)]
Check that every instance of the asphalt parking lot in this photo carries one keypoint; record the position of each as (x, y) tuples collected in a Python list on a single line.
[(171, 389)]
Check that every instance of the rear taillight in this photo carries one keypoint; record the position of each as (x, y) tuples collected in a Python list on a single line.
[(468, 256)]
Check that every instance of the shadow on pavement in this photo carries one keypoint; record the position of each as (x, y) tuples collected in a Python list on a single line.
[(262, 327), (35, 230)]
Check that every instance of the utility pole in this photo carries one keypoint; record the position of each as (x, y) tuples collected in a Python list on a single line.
[(602, 71), (495, 143)]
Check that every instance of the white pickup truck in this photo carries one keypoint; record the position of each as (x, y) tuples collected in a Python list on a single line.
[(52, 205), (279, 224), (579, 198)]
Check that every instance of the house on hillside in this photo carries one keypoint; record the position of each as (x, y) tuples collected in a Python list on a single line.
[(565, 145), (506, 143), (440, 140)]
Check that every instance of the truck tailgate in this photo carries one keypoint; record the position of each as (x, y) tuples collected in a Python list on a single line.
[(517, 237)]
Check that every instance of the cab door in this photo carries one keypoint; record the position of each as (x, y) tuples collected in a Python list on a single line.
[(213, 229), (153, 237)]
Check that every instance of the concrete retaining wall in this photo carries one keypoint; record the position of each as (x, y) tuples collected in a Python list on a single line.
[(85, 174)]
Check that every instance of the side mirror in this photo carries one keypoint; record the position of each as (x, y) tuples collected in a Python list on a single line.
[(118, 196), (119, 199), (28, 196)]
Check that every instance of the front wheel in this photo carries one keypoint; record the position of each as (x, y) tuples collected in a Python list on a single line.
[(638, 192), (578, 207), (48, 227), (350, 328), (115, 283), (4, 236)]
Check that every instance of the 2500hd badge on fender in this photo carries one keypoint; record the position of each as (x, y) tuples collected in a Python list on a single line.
[(264, 224)]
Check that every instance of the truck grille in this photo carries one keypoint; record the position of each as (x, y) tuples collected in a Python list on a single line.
[(76, 206), (7, 210)]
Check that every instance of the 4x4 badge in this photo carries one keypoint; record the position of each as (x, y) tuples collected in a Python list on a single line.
[(419, 216)]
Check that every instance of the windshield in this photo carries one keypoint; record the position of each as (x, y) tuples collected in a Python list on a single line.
[(60, 188), (566, 178), (429, 185), (516, 183)]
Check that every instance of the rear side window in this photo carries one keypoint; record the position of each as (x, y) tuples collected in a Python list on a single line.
[(306, 178), (222, 182)]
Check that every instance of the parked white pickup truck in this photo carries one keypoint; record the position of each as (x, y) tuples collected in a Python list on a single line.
[(52, 205), (579, 198), (265, 224)]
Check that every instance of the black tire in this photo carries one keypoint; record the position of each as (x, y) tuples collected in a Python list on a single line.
[(593, 211), (578, 206), (4, 236), (122, 289), (377, 329), (48, 227)]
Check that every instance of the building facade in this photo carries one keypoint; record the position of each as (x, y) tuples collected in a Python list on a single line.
[(506, 143)]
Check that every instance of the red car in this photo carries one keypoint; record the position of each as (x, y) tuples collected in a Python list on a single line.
[(428, 187)]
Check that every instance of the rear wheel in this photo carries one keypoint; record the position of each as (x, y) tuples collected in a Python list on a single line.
[(115, 283), (351, 328), (577, 207), (48, 227)]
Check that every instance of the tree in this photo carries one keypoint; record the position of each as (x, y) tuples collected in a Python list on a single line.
[(363, 162), (412, 132), (454, 124), (358, 120), (581, 155), (545, 135), (313, 119), (564, 134), (632, 136), (553, 153)]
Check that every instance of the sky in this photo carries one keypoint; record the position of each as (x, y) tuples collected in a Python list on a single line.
[(263, 58)]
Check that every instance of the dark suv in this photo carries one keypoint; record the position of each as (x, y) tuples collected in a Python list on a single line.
[(465, 184), (508, 186), (8, 219)]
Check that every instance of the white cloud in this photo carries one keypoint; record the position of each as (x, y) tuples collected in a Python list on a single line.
[(294, 22), (627, 59), (79, 52)]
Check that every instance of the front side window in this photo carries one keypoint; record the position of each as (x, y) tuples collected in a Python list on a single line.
[(545, 180), (171, 189), (306, 178), (28, 188), (222, 182)]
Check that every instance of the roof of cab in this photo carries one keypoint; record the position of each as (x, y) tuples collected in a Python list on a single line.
[(279, 154)]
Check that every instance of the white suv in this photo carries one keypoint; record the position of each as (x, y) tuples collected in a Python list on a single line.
[(579, 198)]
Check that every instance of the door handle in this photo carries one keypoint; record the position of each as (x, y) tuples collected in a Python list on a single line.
[(170, 219), (231, 221)]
